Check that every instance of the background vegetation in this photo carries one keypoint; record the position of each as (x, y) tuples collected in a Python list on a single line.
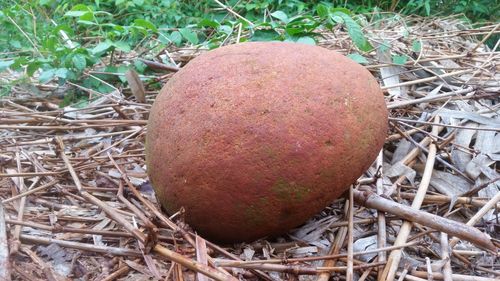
[(60, 40)]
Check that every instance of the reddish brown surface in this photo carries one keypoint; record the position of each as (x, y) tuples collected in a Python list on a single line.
[(253, 139)]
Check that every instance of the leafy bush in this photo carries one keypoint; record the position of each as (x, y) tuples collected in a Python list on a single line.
[(62, 39), (76, 37)]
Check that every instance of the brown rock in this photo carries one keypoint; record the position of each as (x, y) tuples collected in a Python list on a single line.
[(255, 138)]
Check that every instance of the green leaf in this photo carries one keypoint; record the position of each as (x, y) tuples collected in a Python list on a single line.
[(140, 66), (66, 28), (416, 46), (226, 29), (87, 17), (32, 67), (322, 11), (249, 7), (208, 23), (399, 59), (264, 35), (4, 64), (385, 46), (86, 22), (46, 75), (102, 47), (78, 11), (306, 40), (16, 44), (295, 30), (119, 28), (213, 45), (61, 73), (163, 38), (122, 69), (358, 58), (122, 46), (79, 61), (280, 15), (355, 32), (113, 26), (342, 10), (91, 82), (145, 24), (45, 2), (19, 62), (50, 43), (81, 7), (189, 35), (176, 38), (138, 2), (336, 18), (75, 14)]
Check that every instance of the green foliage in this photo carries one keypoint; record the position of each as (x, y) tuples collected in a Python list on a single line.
[(358, 58), (474, 10), (77, 36), (60, 40), (399, 59)]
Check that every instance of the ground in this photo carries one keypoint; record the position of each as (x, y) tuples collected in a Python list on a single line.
[(77, 204)]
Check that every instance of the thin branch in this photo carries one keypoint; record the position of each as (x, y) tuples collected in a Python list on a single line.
[(370, 199), (233, 12)]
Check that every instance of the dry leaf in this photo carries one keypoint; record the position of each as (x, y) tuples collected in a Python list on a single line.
[(136, 85)]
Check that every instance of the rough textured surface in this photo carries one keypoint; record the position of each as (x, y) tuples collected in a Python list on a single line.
[(253, 139)]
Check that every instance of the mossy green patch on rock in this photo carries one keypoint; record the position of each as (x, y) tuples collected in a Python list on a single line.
[(289, 191), (270, 152), (255, 214)]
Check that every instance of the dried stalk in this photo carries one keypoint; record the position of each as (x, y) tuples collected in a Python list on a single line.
[(495, 129), (381, 223), (64, 229), (30, 191), (80, 246), (122, 270), (193, 265), (456, 277), (445, 255), (429, 79), (474, 201), (20, 213), (335, 248), (304, 270), (486, 208), (371, 200), (201, 256), (350, 240), (429, 98), (389, 272), (170, 255), (4, 248), (229, 263)]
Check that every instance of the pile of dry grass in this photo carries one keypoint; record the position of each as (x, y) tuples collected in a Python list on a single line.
[(77, 204)]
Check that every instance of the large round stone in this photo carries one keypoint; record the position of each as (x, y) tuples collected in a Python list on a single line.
[(255, 138)]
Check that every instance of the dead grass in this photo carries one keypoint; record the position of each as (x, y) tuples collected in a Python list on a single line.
[(77, 204)]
